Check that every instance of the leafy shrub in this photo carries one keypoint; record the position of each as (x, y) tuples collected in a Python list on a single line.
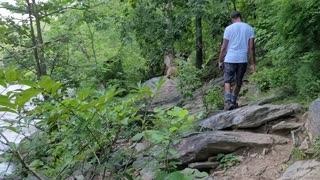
[(316, 148), (308, 84), (188, 78), (297, 155), (214, 99), (81, 132), (271, 78), (227, 161)]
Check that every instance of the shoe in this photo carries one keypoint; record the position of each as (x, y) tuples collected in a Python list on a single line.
[(235, 104), (228, 106)]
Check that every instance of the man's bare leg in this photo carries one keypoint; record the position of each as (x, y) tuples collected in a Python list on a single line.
[(234, 95), (228, 102), (227, 88)]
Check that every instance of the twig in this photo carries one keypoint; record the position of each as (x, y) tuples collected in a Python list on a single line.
[(20, 158)]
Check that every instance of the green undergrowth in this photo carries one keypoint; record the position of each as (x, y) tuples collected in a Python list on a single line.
[(227, 160), (89, 132)]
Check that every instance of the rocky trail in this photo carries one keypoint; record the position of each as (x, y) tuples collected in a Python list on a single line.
[(262, 136)]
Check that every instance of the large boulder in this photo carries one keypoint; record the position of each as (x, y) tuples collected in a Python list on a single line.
[(249, 116), (167, 96), (198, 147), (302, 170), (313, 120)]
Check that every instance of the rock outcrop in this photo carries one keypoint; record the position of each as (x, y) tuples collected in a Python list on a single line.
[(198, 147), (167, 96), (313, 120), (302, 170), (249, 116), (285, 125)]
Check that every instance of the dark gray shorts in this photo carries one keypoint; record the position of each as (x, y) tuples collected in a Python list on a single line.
[(234, 70)]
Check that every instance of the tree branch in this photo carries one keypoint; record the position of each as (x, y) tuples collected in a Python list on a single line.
[(20, 158)]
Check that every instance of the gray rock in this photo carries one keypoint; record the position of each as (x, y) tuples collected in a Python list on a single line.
[(167, 96), (264, 101), (199, 147), (139, 147), (313, 120), (248, 116), (147, 174), (304, 145), (216, 82), (195, 105), (204, 165), (302, 170), (286, 125)]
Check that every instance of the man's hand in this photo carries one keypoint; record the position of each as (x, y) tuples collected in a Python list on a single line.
[(252, 68), (220, 65)]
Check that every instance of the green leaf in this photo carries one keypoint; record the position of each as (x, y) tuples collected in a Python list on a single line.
[(12, 75), (125, 121), (25, 96), (48, 84), (12, 146), (55, 87), (11, 128), (3, 83), (84, 94), (200, 174), (4, 101), (137, 137), (177, 176), (172, 129), (28, 83), (36, 164), (7, 109), (157, 137)]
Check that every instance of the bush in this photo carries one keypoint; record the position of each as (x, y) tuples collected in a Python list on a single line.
[(316, 148), (308, 84), (214, 99), (227, 160), (271, 78), (188, 79), (82, 132)]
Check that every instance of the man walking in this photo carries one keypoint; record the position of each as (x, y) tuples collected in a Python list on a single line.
[(238, 39)]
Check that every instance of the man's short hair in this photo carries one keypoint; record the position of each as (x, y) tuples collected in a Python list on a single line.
[(235, 15)]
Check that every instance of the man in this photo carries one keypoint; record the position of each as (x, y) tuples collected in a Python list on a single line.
[(238, 39)]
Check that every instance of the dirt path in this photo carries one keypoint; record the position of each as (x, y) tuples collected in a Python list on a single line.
[(258, 164)]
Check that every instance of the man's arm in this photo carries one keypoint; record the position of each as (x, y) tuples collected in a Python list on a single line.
[(252, 54), (223, 51)]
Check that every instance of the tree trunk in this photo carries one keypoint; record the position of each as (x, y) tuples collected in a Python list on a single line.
[(34, 42), (199, 45), (234, 5), (40, 47), (37, 40)]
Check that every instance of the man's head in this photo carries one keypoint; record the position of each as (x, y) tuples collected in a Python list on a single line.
[(235, 16)]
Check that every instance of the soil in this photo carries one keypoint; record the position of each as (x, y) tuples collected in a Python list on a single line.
[(261, 163), (258, 164)]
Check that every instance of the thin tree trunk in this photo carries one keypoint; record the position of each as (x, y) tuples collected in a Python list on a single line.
[(43, 68), (234, 5), (199, 44), (34, 42)]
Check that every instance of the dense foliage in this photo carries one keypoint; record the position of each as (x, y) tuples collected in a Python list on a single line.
[(102, 50)]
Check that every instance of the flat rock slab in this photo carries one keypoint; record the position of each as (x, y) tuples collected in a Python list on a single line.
[(167, 95), (198, 147), (249, 116), (284, 125), (313, 120), (302, 170), (203, 165)]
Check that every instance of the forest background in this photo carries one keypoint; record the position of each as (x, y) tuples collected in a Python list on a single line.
[(104, 49)]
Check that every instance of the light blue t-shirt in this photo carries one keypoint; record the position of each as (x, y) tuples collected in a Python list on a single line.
[(238, 35)]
